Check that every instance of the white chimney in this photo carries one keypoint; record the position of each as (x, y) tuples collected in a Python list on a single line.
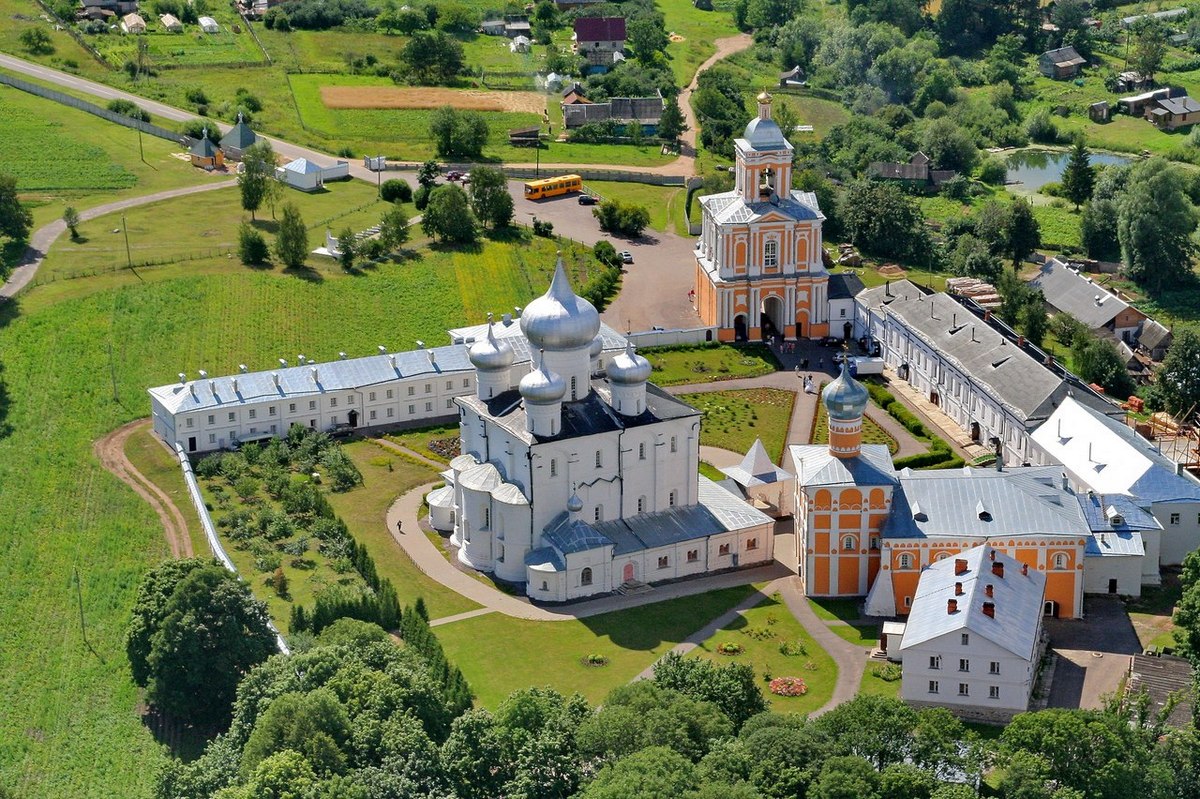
[(315, 378), (432, 356), (301, 359), (275, 378), (342, 355), (383, 349), (183, 378), (283, 363), (392, 361), (233, 382), (203, 374)]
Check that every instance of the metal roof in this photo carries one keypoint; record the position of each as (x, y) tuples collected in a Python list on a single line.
[(600, 29), (756, 468), (984, 503), (844, 286), (1077, 294), (1101, 509), (239, 136), (569, 536), (1064, 56), (1180, 105), (545, 559), (302, 166), (816, 466), (729, 207), (1016, 597)]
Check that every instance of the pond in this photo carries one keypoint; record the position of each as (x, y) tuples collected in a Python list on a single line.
[(1035, 168)]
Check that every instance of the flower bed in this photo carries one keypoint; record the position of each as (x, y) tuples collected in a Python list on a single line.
[(730, 648), (788, 686), (594, 661)]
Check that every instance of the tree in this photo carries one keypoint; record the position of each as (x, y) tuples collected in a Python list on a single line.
[(645, 714), (622, 218), (1078, 179), (432, 57), (605, 253), (458, 134), (393, 228), (883, 220), (70, 218), (395, 191), (36, 41), (875, 728), (671, 125), (205, 631), (906, 781), (1155, 222), (761, 14), (15, 218), (448, 216), (258, 170), (427, 174), (647, 37), (1179, 378), (314, 724), (846, 778), (949, 146), (347, 245), (252, 247), (490, 200), (1148, 47), (732, 688), (653, 773), (291, 242), (1021, 231), (1098, 361)]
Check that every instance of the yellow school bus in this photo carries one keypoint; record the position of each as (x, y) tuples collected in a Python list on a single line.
[(552, 187)]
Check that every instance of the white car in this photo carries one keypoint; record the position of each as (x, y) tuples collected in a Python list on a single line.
[(626, 256)]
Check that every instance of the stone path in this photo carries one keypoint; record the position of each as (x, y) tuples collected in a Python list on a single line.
[(45, 236)]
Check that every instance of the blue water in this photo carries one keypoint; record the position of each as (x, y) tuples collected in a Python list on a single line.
[(1035, 168)]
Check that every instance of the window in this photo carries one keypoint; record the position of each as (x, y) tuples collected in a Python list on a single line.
[(271, 411), (391, 412), (333, 419), (693, 555), (994, 667), (771, 253), (663, 562), (312, 405), (641, 505), (842, 313), (875, 543), (573, 387), (211, 419), (449, 384), (671, 499), (674, 447), (428, 387), (449, 403), (599, 460), (1174, 518), (553, 467), (964, 689), (751, 543), (543, 585), (487, 517), (371, 397), (253, 413), (848, 542), (349, 399), (429, 407), (389, 394), (908, 601), (642, 454), (232, 416), (291, 408), (191, 422), (964, 664), (585, 577), (212, 438), (598, 514), (993, 692), (966, 639), (906, 561), (1060, 561), (412, 390), (723, 550), (412, 409), (933, 686), (935, 662), (333, 402), (372, 416), (466, 382)]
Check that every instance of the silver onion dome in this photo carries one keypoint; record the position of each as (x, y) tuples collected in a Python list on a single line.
[(574, 504), (845, 398), (763, 133), (629, 368), (596, 348), (491, 354), (559, 319), (542, 387)]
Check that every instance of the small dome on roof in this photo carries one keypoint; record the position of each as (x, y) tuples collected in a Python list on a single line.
[(574, 504), (845, 398), (596, 348), (491, 354), (542, 387), (559, 319), (764, 134), (629, 368)]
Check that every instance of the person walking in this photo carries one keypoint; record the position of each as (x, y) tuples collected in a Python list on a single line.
[(400, 526)]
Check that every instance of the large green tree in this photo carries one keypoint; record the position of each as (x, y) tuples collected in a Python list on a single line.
[(883, 220), (654, 773), (1098, 361), (647, 36), (1078, 178), (1022, 234), (394, 231), (490, 199), (1155, 222), (432, 57), (671, 125), (258, 170), (1147, 43), (291, 242), (458, 134), (1179, 378), (732, 688), (15, 218), (847, 777), (448, 216)]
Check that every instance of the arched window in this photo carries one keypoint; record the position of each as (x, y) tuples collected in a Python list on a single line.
[(641, 504), (585, 577), (906, 561), (771, 253), (848, 543), (1060, 561)]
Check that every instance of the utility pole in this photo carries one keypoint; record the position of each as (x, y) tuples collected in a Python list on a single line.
[(128, 253), (141, 151), (537, 169)]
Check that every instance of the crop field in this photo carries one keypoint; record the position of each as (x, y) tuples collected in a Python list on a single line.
[(191, 47), (430, 97), (733, 419)]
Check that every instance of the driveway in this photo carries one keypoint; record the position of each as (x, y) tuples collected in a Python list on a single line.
[(1093, 653)]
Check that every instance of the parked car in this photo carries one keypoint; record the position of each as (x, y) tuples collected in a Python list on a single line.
[(588, 199), (453, 175), (831, 341), (626, 257), (869, 346)]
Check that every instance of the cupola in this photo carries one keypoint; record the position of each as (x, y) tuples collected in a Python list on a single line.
[(492, 359), (845, 402), (628, 374), (543, 391)]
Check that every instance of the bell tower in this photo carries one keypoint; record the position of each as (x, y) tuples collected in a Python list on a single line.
[(764, 158)]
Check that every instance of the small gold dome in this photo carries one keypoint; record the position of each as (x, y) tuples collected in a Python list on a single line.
[(764, 98)]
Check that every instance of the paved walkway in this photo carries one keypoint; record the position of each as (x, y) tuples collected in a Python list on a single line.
[(44, 237), (934, 417)]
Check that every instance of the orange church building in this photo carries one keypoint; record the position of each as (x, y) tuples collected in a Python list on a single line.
[(864, 529), (759, 271)]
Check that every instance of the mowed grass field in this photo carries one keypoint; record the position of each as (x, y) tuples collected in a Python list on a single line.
[(733, 419), (699, 30)]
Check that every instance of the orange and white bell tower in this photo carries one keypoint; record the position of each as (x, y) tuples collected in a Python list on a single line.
[(759, 271), (845, 403)]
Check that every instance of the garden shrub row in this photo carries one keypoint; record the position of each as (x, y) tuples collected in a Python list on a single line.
[(939, 456)]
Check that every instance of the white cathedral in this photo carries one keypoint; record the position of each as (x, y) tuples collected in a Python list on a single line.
[(584, 478)]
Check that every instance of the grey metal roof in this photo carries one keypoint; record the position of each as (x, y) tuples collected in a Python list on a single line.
[(239, 136), (1064, 56), (203, 148), (729, 207), (756, 468), (1153, 334), (646, 110), (1125, 543), (1180, 105), (1017, 599), (984, 503), (569, 536), (1098, 507), (1077, 294), (845, 286), (545, 559), (302, 166), (816, 466)]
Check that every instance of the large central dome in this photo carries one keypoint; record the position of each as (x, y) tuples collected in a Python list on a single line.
[(559, 319)]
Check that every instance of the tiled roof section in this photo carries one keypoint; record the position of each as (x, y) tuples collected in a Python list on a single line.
[(600, 29), (1016, 597), (756, 468), (844, 286), (203, 148), (815, 466), (729, 207), (984, 503), (1077, 294)]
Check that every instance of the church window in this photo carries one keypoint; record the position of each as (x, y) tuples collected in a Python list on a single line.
[(642, 455), (674, 444), (848, 543), (771, 253), (906, 561), (993, 692), (723, 550), (671, 498), (752, 543), (599, 460), (554, 467), (487, 517), (663, 562), (598, 514), (875, 542), (693, 555), (641, 505), (585, 577), (232, 416), (1060, 561)]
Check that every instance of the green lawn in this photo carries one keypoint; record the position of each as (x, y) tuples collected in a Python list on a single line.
[(711, 472), (96, 161), (761, 631), (499, 654), (66, 54), (835, 609), (702, 363), (665, 203), (1151, 613), (151, 458), (733, 419), (419, 440), (699, 30), (865, 636), (874, 684)]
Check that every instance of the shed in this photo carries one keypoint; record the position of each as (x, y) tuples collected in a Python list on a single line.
[(1062, 63), (1164, 678), (492, 27), (524, 137), (889, 641), (520, 44), (171, 23), (793, 77), (205, 154), (209, 25), (133, 23), (307, 175), (239, 138), (1099, 112)]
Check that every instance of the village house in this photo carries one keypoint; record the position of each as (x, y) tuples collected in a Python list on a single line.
[(1174, 112), (915, 175), (133, 23), (307, 175), (107, 9), (1061, 64), (170, 23), (206, 155), (1155, 339), (598, 39), (974, 637), (843, 288), (1067, 290), (645, 111), (511, 27), (793, 78), (1138, 104)]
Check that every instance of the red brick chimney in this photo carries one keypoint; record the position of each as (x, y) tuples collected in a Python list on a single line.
[(998, 569), (1025, 569), (1020, 341), (958, 589), (960, 565), (951, 606), (989, 609), (987, 590), (991, 554), (987, 315)]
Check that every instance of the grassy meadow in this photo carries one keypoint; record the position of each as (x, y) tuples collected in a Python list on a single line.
[(675, 366), (733, 419)]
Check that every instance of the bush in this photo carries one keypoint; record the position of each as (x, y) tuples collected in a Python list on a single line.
[(127, 108), (252, 247), (622, 218), (196, 96), (1041, 128), (421, 197), (994, 171), (888, 672), (542, 228), (606, 253), (396, 191)]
